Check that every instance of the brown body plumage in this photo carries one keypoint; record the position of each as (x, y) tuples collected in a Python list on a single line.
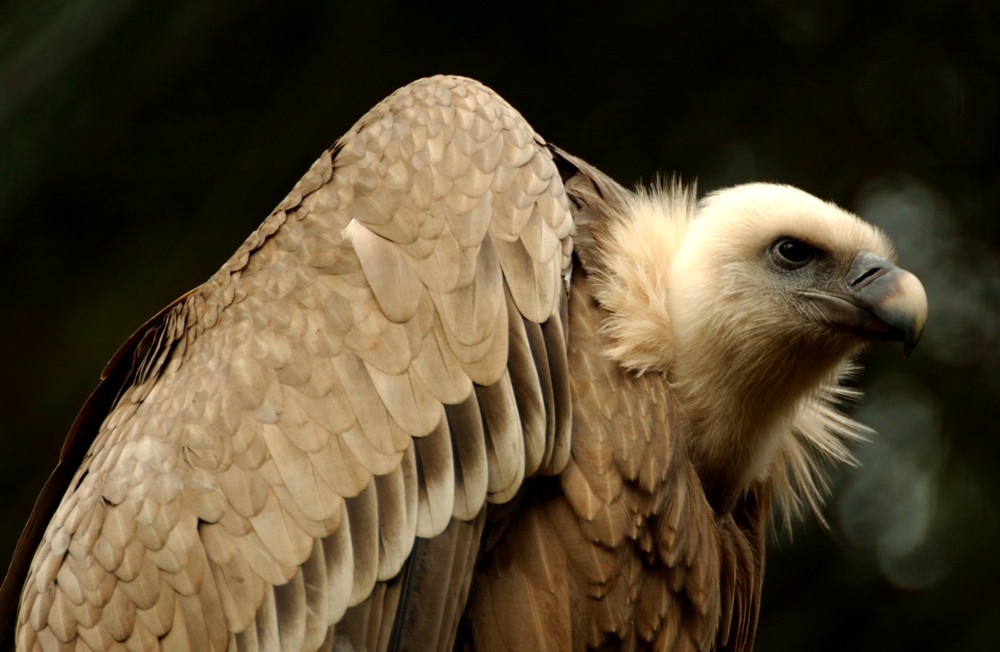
[(462, 388)]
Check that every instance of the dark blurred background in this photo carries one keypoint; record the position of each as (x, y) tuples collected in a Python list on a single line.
[(141, 142)]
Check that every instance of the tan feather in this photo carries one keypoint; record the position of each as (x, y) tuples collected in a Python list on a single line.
[(394, 537), (338, 556), (313, 497), (533, 284), (522, 595), (316, 618), (240, 589), (439, 370), (406, 398), (246, 640), (339, 468), (504, 439), (555, 340), (470, 313), (290, 606), (362, 510), (436, 480), (471, 474), (395, 287), (267, 636), (527, 390)]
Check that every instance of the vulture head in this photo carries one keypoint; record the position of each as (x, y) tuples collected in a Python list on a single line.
[(754, 302)]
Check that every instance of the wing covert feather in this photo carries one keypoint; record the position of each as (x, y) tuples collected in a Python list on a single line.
[(339, 387)]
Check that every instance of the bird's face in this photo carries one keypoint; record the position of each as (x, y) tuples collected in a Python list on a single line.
[(771, 291), (786, 271)]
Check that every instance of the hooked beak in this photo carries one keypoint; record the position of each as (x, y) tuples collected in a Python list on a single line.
[(878, 300)]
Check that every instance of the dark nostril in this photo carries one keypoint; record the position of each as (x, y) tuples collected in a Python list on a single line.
[(869, 275)]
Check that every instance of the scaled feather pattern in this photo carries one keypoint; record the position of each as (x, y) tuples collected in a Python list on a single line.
[(461, 389)]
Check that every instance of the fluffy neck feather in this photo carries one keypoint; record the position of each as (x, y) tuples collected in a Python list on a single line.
[(756, 413)]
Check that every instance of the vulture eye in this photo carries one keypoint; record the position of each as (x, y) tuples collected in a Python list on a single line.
[(790, 253)]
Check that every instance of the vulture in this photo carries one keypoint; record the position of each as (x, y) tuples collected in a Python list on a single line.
[(461, 389)]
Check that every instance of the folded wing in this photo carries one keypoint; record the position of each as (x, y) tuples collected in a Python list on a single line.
[(382, 357)]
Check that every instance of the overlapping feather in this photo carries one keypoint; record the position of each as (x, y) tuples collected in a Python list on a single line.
[(340, 386)]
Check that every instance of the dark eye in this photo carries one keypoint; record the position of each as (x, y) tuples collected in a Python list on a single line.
[(790, 253)]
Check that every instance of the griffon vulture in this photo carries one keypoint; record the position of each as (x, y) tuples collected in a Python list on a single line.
[(462, 389)]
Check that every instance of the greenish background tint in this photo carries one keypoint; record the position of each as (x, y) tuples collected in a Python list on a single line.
[(140, 142)]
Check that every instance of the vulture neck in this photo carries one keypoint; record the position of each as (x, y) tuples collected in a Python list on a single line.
[(756, 399), (742, 403)]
